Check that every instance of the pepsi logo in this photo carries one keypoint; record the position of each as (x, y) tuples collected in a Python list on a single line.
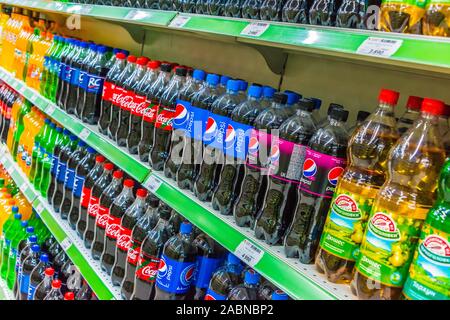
[(211, 128), (274, 154), (253, 145), (230, 136), (334, 174), (181, 115), (162, 270), (187, 275), (309, 168)]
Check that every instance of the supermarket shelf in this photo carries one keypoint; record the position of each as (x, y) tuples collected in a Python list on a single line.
[(99, 280), (5, 292), (429, 54)]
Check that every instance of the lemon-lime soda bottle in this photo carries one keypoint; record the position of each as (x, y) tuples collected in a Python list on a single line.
[(400, 208), (404, 16), (358, 186)]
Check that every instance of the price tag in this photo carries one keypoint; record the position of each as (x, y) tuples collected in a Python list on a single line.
[(137, 15), (59, 6), (33, 98), (255, 29), (84, 134), (66, 243), (24, 188), (380, 47), (50, 109), (179, 21), (249, 253), (39, 208), (80, 9), (34, 3), (152, 184)]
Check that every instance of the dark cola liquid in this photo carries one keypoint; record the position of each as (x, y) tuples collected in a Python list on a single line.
[(323, 12), (201, 7), (58, 195), (271, 10), (188, 6), (71, 99), (232, 8), (54, 181), (350, 14), (250, 9), (296, 11), (105, 116), (146, 141), (92, 96)]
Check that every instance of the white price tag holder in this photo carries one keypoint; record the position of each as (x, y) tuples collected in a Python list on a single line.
[(33, 98), (179, 21), (249, 253), (380, 47), (24, 188), (152, 184), (80, 9), (137, 15), (39, 208), (50, 109), (84, 134), (255, 29), (66, 243)]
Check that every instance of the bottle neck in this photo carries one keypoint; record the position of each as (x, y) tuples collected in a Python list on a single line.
[(336, 123)]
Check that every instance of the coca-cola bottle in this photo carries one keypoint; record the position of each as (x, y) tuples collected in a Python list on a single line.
[(162, 134), (141, 106), (92, 210), (109, 86), (129, 220), (116, 212), (92, 177), (101, 219), (149, 257), (83, 77), (118, 95), (148, 118), (81, 171), (85, 292), (129, 102)]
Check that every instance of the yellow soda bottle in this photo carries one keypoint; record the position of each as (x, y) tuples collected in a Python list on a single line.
[(358, 186), (404, 16), (436, 21), (400, 208)]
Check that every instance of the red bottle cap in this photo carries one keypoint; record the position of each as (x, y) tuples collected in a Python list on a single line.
[(389, 97), (154, 64), (108, 166), (100, 159), (118, 174), (69, 296), (120, 55), (128, 183), (142, 61), (141, 193), (49, 272), (414, 103), (131, 59), (56, 284), (433, 106)]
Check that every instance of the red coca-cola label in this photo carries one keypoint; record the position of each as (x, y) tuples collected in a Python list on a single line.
[(127, 100), (102, 217), (148, 268), (165, 117), (108, 89), (113, 227), (117, 96), (150, 112), (133, 252), (124, 239), (93, 206), (85, 197), (139, 105)]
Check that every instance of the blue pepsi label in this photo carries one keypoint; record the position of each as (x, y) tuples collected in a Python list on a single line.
[(61, 69), (75, 76), (78, 185), (24, 283), (215, 132), (31, 290), (94, 84), (190, 119), (67, 76), (69, 179), (212, 295), (55, 161), (175, 276), (237, 140), (205, 270), (61, 171), (83, 80)]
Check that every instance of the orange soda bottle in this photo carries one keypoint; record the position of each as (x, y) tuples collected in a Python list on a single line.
[(24, 206)]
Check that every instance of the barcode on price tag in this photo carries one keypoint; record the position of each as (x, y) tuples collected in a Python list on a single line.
[(152, 184), (66, 243), (84, 134), (179, 21), (380, 47), (255, 29), (39, 208), (50, 109), (249, 253)]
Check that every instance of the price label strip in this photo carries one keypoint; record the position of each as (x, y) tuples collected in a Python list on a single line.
[(66, 243), (39, 208), (84, 134), (84, 9), (137, 15), (380, 47), (152, 184), (249, 253), (179, 21), (255, 29), (50, 109)]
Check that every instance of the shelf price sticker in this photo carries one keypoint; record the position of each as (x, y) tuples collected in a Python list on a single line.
[(249, 253), (137, 15), (152, 184), (84, 9), (84, 134), (380, 47), (179, 21), (66, 243), (39, 208), (255, 29), (24, 188), (50, 109)]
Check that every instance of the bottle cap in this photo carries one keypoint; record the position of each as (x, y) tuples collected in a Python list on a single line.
[(131, 59), (118, 174), (334, 106), (59, 129), (389, 97), (212, 79), (108, 166), (56, 284), (154, 64), (339, 114), (292, 97), (120, 56), (93, 47), (47, 121), (44, 258), (24, 223), (73, 137), (166, 67), (268, 92), (81, 143), (414, 103), (180, 71), (252, 277), (115, 51), (224, 80), (66, 132), (126, 52), (33, 238), (279, 295), (185, 228), (433, 106), (242, 85), (254, 91), (142, 61), (128, 183), (232, 259), (15, 209), (233, 85), (53, 125), (89, 149), (362, 115), (141, 193), (199, 75), (35, 248), (49, 272), (307, 104), (30, 229), (318, 102), (100, 159), (101, 49), (280, 97), (69, 296)]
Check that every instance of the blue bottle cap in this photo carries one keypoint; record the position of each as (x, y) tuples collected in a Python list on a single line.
[(233, 85), (252, 277), (126, 52), (44, 258), (15, 209), (33, 238), (232, 259), (24, 223), (185, 228), (90, 149), (81, 143), (35, 248), (30, 229), (199, 74), (224, 80), (66, 132), (116, 51), (279, 295), (18, 216), (53, 125), (59, 129), (73, 137), (101, 49), (318, 103), (292, 97), (56, 38), (212, 79), (47, 121), (268, 92), (93, 47), (243, 85), (42, 149), (255, 91), (84, 44)]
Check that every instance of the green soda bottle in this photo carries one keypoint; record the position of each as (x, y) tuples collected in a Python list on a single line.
[(14, 245), (9, 229), (47, 64), (40, 229), (57, 69), (49, 130), (429, 274), (38, 140), (54, 69), (24, 109)]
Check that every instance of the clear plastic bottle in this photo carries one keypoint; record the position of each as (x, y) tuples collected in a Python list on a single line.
[(411, 114)]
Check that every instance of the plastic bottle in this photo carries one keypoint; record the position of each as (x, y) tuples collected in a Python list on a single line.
[(326, 120), (10, 227), (250, 9), (24, 250), (64, 71), (55, 292), (67, 100), (44, 288), (435, 21), (271, 10), (248, 290), (27, 267), (360, 118), (350, 14), (400, 208), (83, 77), (362, 179), (60, 143), (37, 275), (411, 114), (296, 11), (19, 234), (224, 279)]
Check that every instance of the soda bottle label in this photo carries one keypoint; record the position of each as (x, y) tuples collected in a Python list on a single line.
[(126, 100), (321, 173), (190, 119), (124, 239), (346, 222), (108, 89), (117, 96), (55, 161), (387, 247), (113, 227), (165, 117), (69, 178), (102, 217), (150, 112), (93, 206), (31, 290), (85, 197), (148, 268), (94, 84), (133, 252), (429, 274), (237, 137), (174, 276), (139, 105), (24, 283), (61, 172), (285, 159), (211, 295), (67, 77), (75, 78), (205, 269), (83, 80), (216, 131), (61, 70), (259, 143), (78, 186)]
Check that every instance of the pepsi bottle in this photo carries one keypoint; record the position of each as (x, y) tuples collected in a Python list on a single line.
[(250, 9), (55, 163), (248, 290), (233, 8), (324, 163), (224, 279), (72, 97), (271, 10), (323, 12), (83, 77), (296, 11), (64, 71), (24, 250), (27, 267), (37, 275)]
